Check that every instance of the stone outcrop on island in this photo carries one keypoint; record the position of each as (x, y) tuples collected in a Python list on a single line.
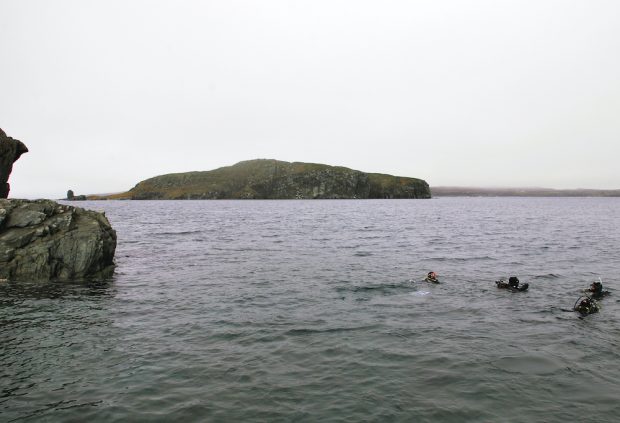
[(10, 150), (272, 179), (44, 240), (72, 197)]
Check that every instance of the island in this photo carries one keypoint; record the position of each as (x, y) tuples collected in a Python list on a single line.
[(274, 179)]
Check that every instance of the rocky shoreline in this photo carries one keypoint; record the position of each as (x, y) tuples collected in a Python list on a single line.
[(44, 240)]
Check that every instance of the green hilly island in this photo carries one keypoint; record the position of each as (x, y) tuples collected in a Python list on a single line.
[(273, 179)]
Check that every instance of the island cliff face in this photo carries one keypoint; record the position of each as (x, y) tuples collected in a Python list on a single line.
[(10, 150), (272, 179)]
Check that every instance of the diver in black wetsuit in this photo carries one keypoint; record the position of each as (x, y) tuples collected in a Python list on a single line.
[(431, 277), (513, 281), (512, 284), (596, 290)]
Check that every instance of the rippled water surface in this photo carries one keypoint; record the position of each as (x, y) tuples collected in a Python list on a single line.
[(307, 311)]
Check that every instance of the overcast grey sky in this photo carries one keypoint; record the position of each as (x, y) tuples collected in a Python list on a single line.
[(471, 93)]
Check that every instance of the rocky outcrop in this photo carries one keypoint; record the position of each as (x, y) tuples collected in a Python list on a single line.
[(44, 240), (272, 179), (72, 197), (10, 150)]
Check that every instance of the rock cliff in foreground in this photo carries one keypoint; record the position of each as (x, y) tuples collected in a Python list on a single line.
[(44, 240), (10, 150), (272, 179)]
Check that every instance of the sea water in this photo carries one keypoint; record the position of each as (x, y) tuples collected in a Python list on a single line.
[(315, 311)]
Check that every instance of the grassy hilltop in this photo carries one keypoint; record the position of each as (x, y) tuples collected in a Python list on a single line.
[(273, 179)]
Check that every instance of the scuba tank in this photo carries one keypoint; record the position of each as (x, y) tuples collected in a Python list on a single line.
[(586, 305)]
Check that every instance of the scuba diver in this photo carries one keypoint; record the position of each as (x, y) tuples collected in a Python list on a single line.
[(512, 284), (431, 277), (586, 305), (596, 290)]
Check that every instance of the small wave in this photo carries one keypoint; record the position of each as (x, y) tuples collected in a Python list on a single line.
[(375, 288), (363, 254), (227, 336), (547, 276), (309, 331), (463, 259), (181, 233), (533, 364)]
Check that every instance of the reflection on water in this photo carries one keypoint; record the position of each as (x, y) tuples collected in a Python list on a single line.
[(20, 291)]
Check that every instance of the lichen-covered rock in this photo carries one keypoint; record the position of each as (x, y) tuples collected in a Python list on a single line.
[(10, 150), (45, 240)]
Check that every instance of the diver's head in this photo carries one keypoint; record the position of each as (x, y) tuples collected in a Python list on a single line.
[(596, 286), (513, 281), (432, 275)]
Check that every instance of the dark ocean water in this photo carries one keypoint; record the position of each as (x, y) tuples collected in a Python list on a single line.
[(308, 311)]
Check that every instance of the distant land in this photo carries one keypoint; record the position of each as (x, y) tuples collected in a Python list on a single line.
[(521, 192), (273, 179)]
